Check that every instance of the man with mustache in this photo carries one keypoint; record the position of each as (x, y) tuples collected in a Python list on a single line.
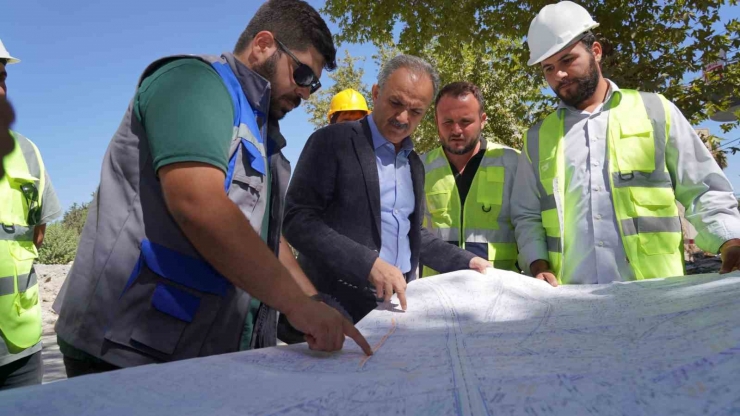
[(181, 255), (27, 203), (598, 179), (355, 204), (469, 181)]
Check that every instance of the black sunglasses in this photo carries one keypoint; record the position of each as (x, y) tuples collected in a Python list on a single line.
[(303, 74), (31, 194)]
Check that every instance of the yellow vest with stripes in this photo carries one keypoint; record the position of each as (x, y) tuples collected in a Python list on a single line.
[(481, 224), (641, 187), (20, 312)]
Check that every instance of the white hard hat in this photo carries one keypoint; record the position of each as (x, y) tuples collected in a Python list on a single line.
[(4, 54), (555, 27)]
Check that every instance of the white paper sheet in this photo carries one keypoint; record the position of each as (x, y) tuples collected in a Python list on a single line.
[(469, 344)]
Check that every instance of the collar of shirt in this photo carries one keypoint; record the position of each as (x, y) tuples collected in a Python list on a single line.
[(378, 140), (613, 89), (275, 139), (256, 88)]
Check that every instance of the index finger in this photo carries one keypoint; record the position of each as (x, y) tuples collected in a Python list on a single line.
[(551, 279), (401, 292), (353, 333)]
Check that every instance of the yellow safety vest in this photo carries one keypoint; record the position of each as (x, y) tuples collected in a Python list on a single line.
[(20, 312), (484, 231), (641, 187)]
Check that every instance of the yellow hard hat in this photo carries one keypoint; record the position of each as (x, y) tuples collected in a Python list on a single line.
[(347, 100)]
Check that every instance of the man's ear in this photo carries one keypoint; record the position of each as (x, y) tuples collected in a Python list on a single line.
[(261, 48), (375, 93), (597, 51)]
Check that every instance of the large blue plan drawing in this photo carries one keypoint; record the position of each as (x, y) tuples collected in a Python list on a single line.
[(469, 344)]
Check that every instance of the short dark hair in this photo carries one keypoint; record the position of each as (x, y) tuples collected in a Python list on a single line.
[(588, 40), (296, 24), (3, 61), (461, 89)]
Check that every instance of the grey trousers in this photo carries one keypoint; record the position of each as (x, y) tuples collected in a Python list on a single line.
[(24, 372)]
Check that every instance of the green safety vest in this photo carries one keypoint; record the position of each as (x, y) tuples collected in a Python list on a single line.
[(484, 231), (641, 187), (20, 312)]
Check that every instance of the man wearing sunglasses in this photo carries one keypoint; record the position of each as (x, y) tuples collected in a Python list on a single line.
[(182, 252), (27, 203)]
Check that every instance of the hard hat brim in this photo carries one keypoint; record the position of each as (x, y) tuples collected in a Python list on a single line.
[(557, 48), (11, 60)]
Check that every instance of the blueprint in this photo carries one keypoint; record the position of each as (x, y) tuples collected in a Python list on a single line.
[(469, 344)]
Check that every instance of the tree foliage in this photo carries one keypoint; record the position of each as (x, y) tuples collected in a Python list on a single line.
[(60, 245), (659, 46), (347, 75), (61, 238), (75, 217), (512, 100)]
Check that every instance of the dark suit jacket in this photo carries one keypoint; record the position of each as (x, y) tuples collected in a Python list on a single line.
[(332, 217)]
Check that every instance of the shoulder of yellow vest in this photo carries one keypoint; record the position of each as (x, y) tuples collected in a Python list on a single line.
[(29, 148), (430, 155), (24, 142)]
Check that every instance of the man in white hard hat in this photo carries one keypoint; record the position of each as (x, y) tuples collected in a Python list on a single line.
[(598, 179), (27, 204)]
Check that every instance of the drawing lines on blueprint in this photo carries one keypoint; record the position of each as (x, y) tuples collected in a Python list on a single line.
[(380, 343), (468, 395), (469, 344)]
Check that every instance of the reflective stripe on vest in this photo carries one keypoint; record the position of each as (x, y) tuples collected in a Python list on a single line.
[(641, 187), (20, 312), (245, 125), (484, 231)]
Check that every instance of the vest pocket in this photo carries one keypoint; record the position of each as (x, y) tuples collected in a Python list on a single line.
[(171, 310), (24, 253), (491, 191), (169, 304), (656, 220), (245, 191), (653, 202), (653, 244), (635, 148), (438, 204)]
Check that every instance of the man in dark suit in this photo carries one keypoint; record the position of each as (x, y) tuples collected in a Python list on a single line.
[(354, 208)]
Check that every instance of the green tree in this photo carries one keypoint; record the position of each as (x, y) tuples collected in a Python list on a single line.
[(510, 103), (347, 75), (648, 45), (60, 245), (76, 216)]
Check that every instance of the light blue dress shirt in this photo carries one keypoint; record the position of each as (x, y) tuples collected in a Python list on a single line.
[(396, 198)]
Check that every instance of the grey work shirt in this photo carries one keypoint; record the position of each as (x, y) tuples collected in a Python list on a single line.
[(50, 210), (593, 250)]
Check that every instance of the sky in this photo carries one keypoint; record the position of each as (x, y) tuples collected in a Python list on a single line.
[(81, 59)]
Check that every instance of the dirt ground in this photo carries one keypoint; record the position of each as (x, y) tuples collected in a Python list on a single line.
[(50, 279)]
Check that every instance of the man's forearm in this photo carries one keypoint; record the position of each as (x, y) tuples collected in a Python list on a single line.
[(223, 236), (38, 235), (290, 263), (441, 255)]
